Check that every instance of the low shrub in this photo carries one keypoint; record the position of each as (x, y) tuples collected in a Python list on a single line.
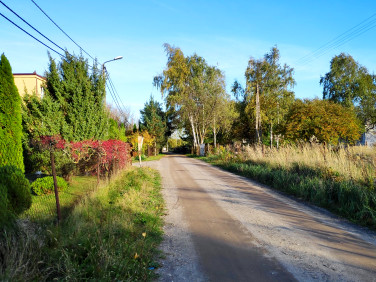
[(15, 196), (45, 185)]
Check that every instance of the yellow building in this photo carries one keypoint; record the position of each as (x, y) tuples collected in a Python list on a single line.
[(29, 82)]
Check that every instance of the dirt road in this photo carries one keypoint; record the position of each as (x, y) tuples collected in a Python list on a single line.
[(222, 227)]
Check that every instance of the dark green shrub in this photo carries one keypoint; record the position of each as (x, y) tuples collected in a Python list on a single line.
[(45, 185), (6, 216), (15, 194)]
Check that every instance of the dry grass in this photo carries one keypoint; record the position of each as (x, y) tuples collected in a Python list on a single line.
[(352, 163)]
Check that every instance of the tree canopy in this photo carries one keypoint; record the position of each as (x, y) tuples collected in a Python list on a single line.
[(351, 85), (267, 95), (73, 106), (322, 120), (153, 119), (194, 90)]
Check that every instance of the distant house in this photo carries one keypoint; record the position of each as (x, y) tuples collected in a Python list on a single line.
[(368, 138), (30, 83)]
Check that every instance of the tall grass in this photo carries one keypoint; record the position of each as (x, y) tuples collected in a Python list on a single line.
[(112, 234), (339, 179), (351, 163)]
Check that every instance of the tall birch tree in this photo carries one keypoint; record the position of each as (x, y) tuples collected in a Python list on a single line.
[(193, 89)]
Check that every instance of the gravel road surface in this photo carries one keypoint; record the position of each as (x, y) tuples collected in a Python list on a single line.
[(223, 227)]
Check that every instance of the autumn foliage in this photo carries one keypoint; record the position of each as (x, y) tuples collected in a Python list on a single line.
[(323, 121), (110, 155)]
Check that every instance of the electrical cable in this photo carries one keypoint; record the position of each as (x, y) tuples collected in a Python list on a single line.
[(343, 38), (116, 93), (111, 87), (114, 99), (31, 35), (339, 36), (31, 26), (338, 43), (112, 90), (61, 29)]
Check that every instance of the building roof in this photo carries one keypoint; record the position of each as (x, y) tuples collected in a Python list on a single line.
[(34, 73)]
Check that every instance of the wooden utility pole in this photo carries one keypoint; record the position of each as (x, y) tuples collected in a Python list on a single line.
[(52, 155)]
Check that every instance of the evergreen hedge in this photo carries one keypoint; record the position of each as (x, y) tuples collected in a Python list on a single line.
[(15, 194), (10, 118)]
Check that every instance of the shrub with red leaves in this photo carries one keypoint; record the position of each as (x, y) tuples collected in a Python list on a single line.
[(111, 155), (52, 142)]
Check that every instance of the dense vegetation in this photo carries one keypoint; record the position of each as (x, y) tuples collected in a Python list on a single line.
[(112, 234), (15, 194), (71, 128), (265, 110), (10, 118)]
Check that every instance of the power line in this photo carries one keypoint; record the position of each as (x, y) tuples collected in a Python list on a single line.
[(113, 93), (109, 87), (31, 25), (343, 38), (31, 35), (61, 29), (339, 36), (117, 94)]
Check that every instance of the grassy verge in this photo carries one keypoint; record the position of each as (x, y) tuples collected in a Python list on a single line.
[(151, 158), (354, 199), (112, 234)]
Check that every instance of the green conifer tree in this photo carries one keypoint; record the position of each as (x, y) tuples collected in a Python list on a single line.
[(10, 118), (80, 93)]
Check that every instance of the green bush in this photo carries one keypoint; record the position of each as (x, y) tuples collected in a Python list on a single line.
[(15, 196), (10, 118), (45, 185), (5, 215)]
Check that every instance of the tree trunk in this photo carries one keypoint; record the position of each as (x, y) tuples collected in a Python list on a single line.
[(271, 135), (193, 132), (215, 135), (258, 116), (277, 139)]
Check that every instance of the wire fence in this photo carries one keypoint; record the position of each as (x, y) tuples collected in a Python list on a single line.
[(43, 208)]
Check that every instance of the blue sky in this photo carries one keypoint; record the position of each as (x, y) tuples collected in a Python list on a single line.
[(225, 33)]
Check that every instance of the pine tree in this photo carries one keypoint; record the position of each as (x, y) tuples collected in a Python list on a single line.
[(10, 118), (153, 120)]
